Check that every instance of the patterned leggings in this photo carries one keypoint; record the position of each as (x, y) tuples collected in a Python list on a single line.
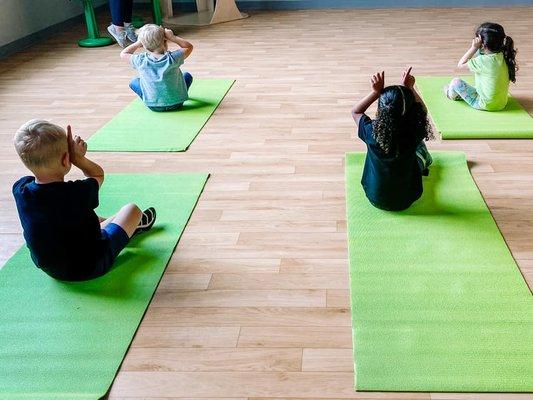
[(460, 90)]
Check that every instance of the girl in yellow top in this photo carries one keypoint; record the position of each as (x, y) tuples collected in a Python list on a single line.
[(492, 60)]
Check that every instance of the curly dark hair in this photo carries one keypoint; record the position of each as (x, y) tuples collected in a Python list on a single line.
[(401, 122), (494, 38)]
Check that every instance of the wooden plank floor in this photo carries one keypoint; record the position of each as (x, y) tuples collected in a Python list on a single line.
[(254, 304)]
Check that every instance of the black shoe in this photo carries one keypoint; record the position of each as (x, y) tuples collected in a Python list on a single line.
[(147, 221)]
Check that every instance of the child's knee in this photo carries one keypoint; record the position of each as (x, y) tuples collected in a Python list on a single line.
[(188, 79), (133, 210), (135, 84), (456, 82)]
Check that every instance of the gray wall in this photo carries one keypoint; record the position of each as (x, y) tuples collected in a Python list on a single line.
[(20, 18)]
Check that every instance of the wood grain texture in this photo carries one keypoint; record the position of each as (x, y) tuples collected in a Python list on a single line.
[(332, 360), (255, 302), (212, 359)]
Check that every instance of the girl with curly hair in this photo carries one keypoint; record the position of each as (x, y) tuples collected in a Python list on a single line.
[(491, 58), (396, 155)]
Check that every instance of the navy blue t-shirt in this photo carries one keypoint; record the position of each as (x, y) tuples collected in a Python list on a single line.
[(390, 182), (60, 226)]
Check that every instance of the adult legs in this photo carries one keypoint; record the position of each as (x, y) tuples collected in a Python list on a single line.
[(127, 11), (121, 28), (121, 12), (117, 18)]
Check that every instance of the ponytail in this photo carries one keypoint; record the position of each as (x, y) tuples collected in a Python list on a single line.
[(494, 38), (509, 54)]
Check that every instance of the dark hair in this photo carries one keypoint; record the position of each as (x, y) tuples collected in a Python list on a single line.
[(401, 122), (494, 38)]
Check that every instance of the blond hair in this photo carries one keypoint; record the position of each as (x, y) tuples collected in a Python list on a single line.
[(39, 143), (152, 36)]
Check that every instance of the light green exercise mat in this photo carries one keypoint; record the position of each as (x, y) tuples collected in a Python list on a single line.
[(457, 120), (66, 341), (137, 128), (438, 302)]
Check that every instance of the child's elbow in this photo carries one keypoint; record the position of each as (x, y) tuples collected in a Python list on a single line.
[(356, 115), (124, 55), (187, 51)]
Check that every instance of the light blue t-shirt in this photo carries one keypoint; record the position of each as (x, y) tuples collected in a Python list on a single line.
[(162, 82)]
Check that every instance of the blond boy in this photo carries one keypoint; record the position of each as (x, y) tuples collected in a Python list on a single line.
[(161, 84), (66, 238)]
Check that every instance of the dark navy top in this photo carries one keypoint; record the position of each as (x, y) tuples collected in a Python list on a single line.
[(391, 182), (60, 226)]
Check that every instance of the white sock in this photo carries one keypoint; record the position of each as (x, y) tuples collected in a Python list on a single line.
[(126, 25)]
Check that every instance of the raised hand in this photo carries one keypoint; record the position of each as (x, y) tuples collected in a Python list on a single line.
[(408, 80), (77, 148), (476, 43), (378, 82)]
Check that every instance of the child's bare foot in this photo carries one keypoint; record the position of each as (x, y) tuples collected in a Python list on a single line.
[(147, 221)]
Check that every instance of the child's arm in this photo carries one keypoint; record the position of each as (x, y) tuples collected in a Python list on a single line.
[(378, 82), (130, 50), (476, 45), (185, 45), (77, 149), (409, 82)]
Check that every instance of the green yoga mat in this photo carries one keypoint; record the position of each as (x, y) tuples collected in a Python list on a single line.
[(66, 341), (137, 128), (438, 302), (457, 120)]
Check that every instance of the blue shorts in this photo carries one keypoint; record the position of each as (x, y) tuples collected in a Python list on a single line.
[(115, 239)]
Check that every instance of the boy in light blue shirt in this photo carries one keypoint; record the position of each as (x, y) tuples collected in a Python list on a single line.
[(161, 84)]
